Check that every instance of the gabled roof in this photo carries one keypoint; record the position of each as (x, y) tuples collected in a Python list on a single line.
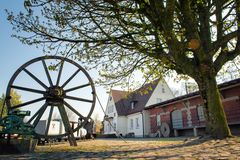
[(118, 97), (123, 99)]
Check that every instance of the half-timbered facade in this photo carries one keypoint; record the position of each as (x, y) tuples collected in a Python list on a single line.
[(185, 114)]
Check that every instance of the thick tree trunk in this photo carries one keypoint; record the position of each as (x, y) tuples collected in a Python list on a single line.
[(216, 122)]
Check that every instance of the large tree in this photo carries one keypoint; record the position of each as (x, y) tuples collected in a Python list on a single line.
[(192, 37), (15, 100)]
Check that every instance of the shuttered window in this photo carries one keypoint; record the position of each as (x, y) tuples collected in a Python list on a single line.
[(200, 112), (158, 120), (177, 120)]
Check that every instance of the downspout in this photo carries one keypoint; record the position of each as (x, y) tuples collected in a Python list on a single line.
[(142, 123)]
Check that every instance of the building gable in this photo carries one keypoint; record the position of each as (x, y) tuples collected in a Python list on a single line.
[(161, 93), (111, 110)]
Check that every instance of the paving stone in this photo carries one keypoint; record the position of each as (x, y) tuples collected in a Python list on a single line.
[(187, 155), (225, 154), (139, 149)]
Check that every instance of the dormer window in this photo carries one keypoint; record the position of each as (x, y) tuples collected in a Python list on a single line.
[(133, 104)]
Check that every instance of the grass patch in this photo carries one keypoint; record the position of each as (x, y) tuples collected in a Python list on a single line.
[(109, 145)]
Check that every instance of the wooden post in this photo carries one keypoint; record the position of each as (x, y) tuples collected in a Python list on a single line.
[(67, 126)]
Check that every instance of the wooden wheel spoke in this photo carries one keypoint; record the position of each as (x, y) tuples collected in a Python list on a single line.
[(35, 78), (79, 99), (65, 119), (78, 87), (72, 109), (27, 103), (49, 120), (67, 125), (40, 115), (34, 116), (28, 89), (70, 78), (47, 73), (59, 73)]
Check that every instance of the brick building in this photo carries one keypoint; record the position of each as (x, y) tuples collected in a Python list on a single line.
[(184, 115)]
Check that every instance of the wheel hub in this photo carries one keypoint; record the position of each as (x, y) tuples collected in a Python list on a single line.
[(55, 95), (56, 92)]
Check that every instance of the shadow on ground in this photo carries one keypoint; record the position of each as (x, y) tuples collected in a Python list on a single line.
[(113, 154)]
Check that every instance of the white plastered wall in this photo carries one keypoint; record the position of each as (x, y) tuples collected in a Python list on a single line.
[(157, 93), (122, 125), (113, 114), (138, 131)]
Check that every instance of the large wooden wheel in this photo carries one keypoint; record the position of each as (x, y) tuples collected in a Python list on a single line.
[(54, 94)]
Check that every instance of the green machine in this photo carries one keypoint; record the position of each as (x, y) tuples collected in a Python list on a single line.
[(13, 124), (15, 135)]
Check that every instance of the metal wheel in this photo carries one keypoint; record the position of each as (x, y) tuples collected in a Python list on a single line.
[(53, 95)]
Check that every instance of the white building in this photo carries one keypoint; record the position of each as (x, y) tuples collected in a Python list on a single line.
[(125, 112)]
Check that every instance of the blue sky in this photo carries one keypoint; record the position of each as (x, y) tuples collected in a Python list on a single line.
[(13, 53)]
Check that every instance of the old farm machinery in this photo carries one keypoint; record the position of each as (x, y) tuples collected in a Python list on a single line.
[(52, 88)]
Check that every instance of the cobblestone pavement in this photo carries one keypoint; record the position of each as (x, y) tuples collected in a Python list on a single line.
[(172, 148)]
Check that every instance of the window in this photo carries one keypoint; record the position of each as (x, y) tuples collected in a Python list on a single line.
[(200, 112), (110, 109), (114, 126), (105, 128), (108, 128), (163, 89), (131, 124), (132, 104), (110, 98), (114, 114), (137, 123), (158, 120), (159, 100)]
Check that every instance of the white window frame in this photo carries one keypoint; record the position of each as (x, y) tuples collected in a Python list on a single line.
[(158, 117), (131, 124), (163, 89), (177, 119), (108, 127), (200, 113), (159, 100), (137, 123), (132, 105)]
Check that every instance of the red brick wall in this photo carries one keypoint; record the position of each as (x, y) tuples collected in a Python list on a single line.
[(232, 109)]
